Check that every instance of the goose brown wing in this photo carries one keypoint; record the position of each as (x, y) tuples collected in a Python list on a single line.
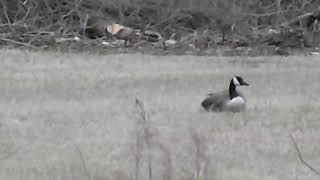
[(215, 101)]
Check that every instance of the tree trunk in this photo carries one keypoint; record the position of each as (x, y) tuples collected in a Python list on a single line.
[(279, 14)]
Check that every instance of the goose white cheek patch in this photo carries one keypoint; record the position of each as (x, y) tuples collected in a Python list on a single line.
[(235, 81)]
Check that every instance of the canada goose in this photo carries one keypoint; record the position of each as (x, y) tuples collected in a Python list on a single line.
[(227, 100)]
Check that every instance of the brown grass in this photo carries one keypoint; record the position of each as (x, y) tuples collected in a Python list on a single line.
[(73, 116)]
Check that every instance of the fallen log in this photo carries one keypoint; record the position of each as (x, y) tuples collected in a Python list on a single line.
[(310, 17)]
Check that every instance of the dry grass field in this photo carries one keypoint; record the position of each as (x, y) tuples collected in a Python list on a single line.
[(74, 117)]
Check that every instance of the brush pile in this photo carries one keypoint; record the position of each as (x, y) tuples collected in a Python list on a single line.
[(158, 26)]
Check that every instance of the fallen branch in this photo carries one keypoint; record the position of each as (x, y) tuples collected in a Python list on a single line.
[(19, 43), (297, 19), (266, 14), (301, 158)]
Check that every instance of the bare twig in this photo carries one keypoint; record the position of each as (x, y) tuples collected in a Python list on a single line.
[(84, 24), (167, 161), (5, 12), (83, 162), (137, 150), (306, 3), (150, 164), (27, 13), (301, 158), (142, 110), (137, 165), (147, 136), (139, 139), (198, 151)]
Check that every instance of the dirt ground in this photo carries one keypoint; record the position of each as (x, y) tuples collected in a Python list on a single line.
[(73, 116)]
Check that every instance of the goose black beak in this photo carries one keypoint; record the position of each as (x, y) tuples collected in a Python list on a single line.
[(244, 84)]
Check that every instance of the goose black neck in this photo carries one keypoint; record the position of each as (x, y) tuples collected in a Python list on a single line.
[(232, 90)]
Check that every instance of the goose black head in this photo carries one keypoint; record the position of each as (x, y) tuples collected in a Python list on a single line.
[(238, 81)]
